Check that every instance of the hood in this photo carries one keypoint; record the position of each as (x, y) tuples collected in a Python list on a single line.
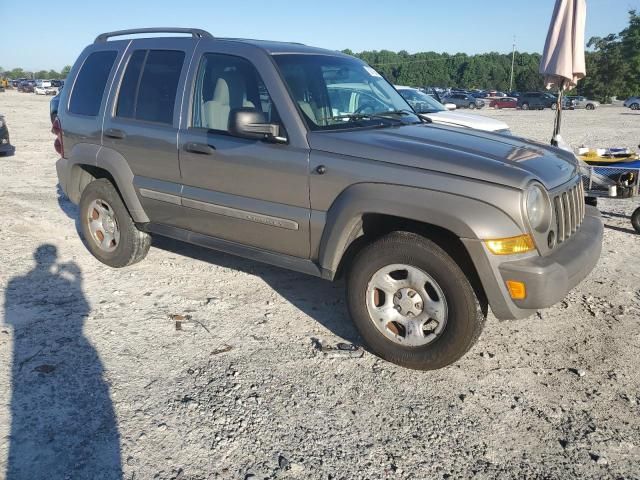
[(501, 159), (470, 120)]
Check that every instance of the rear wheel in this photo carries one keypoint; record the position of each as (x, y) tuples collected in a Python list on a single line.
[(590, 106), (412, 303), (472, 106), (108, 229), (635, 106)]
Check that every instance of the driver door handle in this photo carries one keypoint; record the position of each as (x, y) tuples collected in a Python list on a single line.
[(199, 148)]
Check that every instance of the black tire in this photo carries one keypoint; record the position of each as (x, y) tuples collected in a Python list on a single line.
[(465, 319), (554, 106), (593, 201), (472, 106), (590, 106), (635, 219), (635, 106), (525, 106), (133, 244)]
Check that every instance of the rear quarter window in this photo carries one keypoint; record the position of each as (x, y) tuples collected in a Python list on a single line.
[(90, 83)]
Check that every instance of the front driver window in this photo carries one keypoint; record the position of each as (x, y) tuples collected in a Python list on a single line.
[(225, 83), (341, 92)]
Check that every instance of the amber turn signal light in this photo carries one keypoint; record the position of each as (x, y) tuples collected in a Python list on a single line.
[(517, 290), (511, 245)]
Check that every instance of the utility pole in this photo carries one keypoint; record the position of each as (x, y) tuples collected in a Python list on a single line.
[(513, 59)]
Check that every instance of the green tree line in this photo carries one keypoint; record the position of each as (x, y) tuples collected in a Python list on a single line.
[(43, 74), (483, 71), (613, 67)]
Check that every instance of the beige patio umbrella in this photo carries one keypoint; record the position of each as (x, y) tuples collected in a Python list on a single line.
[(562, 62)]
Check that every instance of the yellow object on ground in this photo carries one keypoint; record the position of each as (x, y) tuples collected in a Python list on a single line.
[(592, 157)]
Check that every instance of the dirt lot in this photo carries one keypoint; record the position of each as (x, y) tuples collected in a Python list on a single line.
[(95, 377)]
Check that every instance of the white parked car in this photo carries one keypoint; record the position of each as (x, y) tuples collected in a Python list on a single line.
[(428, 107), (633, 103), (43, 87)]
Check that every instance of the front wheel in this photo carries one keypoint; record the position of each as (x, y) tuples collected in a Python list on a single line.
[(635, 219), (635, 106), (108, 229), (412, 303), (591, 107), (554, 106), (525, 106), (472, 106)]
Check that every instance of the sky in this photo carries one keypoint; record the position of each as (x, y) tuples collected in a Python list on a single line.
[(51, 35)]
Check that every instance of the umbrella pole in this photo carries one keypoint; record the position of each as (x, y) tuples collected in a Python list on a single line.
[(558, 120)]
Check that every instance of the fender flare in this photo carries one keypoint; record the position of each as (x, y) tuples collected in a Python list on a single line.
[(462, 216), (110, 161)]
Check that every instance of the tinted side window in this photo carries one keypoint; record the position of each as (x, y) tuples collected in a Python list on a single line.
[(89, 86), (129, 86), (149, 86), (158, 86), (225, 83)]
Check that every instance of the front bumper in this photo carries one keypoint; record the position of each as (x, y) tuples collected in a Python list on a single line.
[(548, 279)]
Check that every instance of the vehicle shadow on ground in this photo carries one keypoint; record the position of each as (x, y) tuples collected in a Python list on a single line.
[(621, 229), (613, 214), (67, 206), (320, 299), (63, 424)]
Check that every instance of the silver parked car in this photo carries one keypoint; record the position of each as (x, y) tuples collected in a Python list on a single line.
[(633, 103), (583, 102), (464, 100)]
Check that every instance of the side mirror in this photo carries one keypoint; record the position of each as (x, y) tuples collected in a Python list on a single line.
[(250, 123), (450, 106)]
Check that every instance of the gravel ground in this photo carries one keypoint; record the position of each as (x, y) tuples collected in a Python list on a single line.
[(97, 382)]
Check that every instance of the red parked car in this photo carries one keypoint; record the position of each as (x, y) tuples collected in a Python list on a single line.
[(504, 102)]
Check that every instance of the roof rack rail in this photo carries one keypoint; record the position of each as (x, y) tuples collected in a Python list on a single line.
[(195, 32)]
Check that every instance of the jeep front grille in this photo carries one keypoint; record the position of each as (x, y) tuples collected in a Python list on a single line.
[(569, 211)]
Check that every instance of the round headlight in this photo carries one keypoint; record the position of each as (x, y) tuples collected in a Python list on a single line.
[(537, 208)]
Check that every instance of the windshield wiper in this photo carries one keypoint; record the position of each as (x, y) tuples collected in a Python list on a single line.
[(404, 113), (354, 117), (393, 112)]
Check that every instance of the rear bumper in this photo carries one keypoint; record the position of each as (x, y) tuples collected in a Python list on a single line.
[(5, 144), (6, 148), (62, 170), (547, 279)]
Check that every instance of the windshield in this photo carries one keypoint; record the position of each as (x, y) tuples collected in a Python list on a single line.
[(341, 92), (421, 102)]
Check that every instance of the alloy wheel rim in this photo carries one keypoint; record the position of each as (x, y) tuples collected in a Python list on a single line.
[(406, 305), (103, 226)]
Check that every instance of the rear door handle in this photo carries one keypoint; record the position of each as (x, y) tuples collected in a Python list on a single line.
[(199, 148), (114, 133)]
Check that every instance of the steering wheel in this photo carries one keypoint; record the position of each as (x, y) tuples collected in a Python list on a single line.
[(363, 107)]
